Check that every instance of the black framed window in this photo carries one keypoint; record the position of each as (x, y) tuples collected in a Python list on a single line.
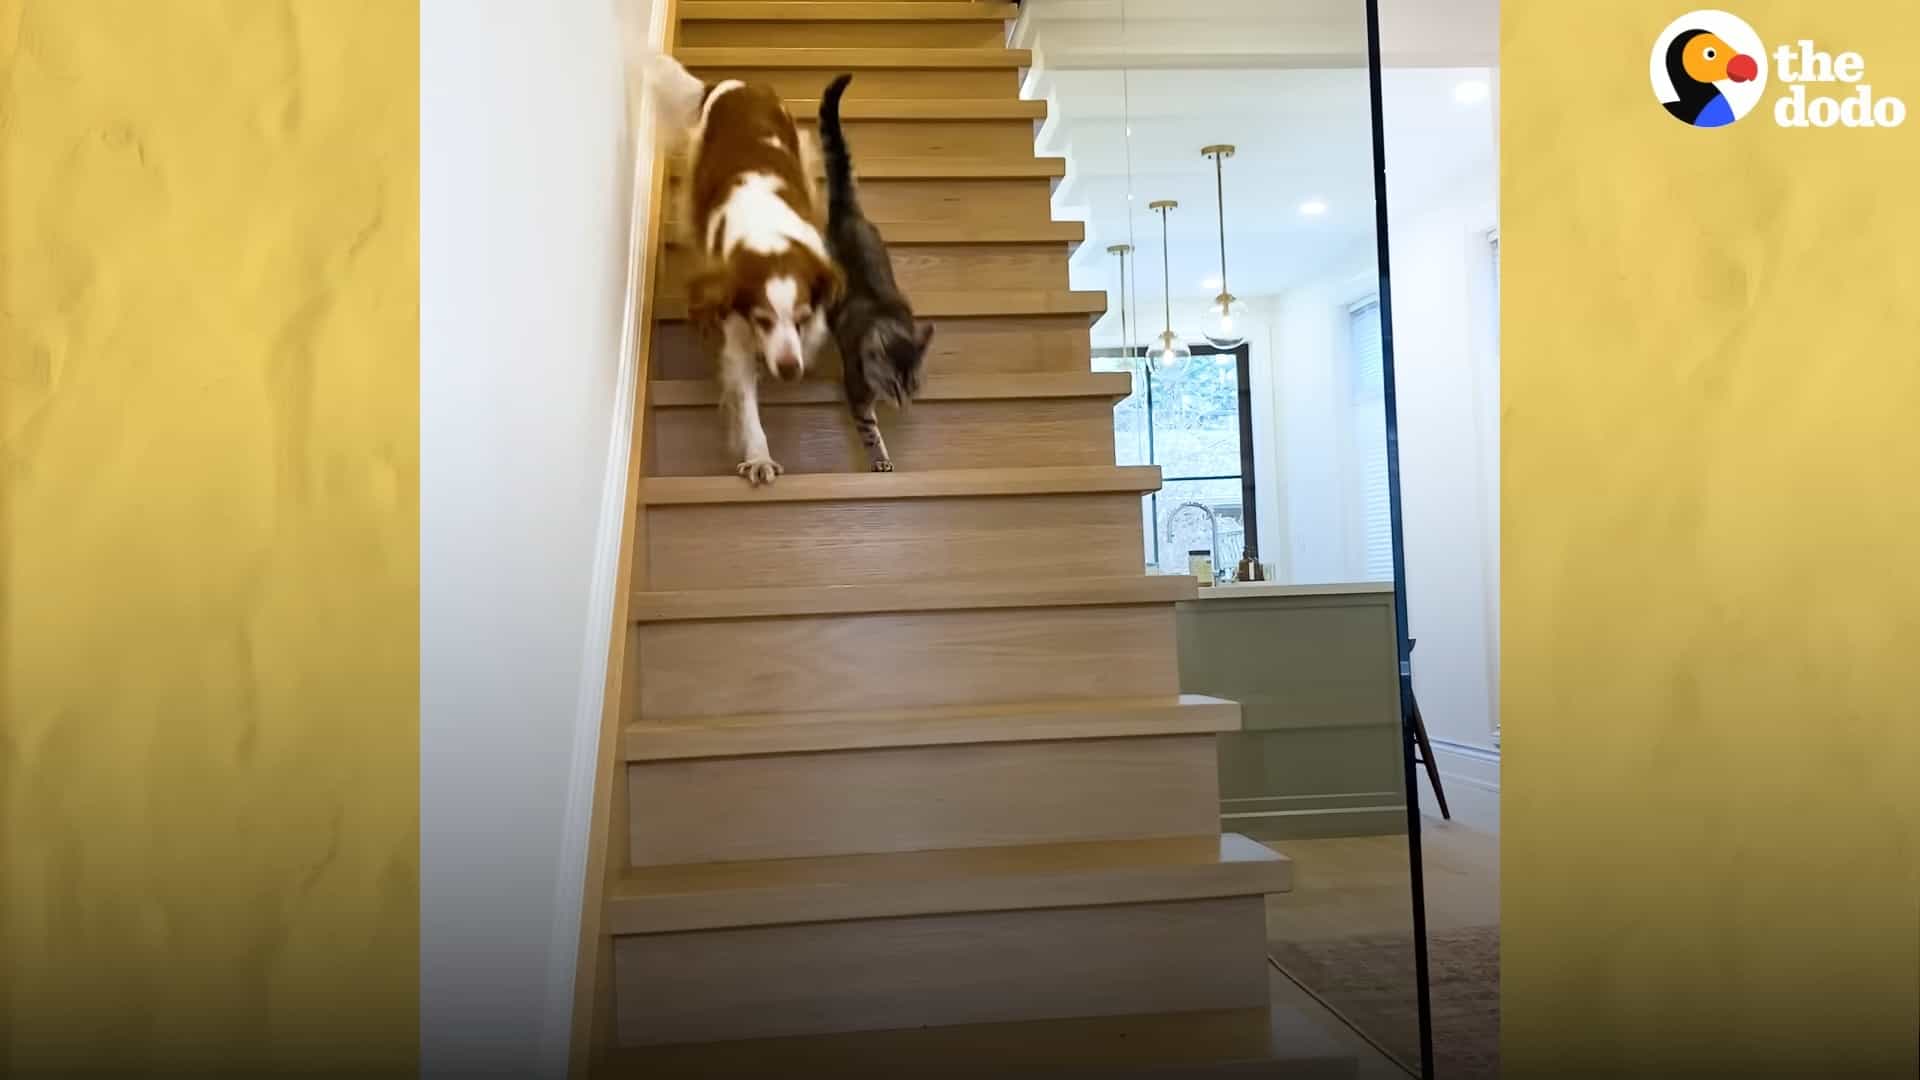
[(1195, 421)]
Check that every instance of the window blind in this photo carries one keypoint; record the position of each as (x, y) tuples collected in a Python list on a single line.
[(1370, 441)]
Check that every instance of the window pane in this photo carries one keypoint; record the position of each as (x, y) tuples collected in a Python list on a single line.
[(1129, 416), (1196, 417), (1370, 428), (1190, 528), (1368, 379)]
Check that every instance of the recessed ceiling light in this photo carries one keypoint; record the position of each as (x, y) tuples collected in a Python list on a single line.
[(1468, 92), (1211, 281), (1313, 207)]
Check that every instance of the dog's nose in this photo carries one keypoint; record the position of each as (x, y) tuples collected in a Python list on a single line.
[(787, 367)]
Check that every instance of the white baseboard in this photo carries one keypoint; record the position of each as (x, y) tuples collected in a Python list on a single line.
[(1471, 776)]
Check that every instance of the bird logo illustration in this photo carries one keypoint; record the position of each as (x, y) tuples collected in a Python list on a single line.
[(1708, 69)]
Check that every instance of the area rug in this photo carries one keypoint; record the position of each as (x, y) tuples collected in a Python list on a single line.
[(1369, 982)]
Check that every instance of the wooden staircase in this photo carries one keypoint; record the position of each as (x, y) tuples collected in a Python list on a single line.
[(897, 772)]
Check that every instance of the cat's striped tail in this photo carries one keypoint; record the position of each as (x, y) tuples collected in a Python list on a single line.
[(833, 146)]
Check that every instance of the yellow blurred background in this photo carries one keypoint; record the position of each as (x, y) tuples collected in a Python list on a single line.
[(211, 502), (1711, 562)]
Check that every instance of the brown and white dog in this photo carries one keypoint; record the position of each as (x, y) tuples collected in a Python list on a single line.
[(749, 207)]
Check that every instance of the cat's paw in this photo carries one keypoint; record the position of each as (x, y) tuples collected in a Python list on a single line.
[(759, 471), (883, 466)]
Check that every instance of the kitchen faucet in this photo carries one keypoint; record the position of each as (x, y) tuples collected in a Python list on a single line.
[(1213, 525)]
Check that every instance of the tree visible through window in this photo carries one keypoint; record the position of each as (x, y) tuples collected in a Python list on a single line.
[(1191, 420)]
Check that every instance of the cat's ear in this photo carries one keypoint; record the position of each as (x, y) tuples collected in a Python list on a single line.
[(923, 336), (708, 297)]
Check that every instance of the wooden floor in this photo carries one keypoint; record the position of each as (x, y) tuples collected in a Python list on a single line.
[(1370, 1063), (1357, 886)]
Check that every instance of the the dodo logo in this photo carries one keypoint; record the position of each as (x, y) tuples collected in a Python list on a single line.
[(1709, 68)]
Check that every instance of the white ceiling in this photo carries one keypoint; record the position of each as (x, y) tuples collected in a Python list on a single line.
[(1299, 136), (1295, 105), (1295, 33)]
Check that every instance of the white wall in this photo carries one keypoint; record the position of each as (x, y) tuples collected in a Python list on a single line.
[(1448, 432), (1446, 364), (1306, 392), (524, 191)]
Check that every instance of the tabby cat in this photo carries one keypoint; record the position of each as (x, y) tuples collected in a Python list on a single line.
[(882, 346)]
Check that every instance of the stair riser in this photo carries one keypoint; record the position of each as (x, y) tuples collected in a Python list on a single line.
[(1012, 343), (958, 202), (822, 34), (997, 344), (947, 201), (935, 267), (958, 139), (817, 733), (945, 969), (859, 802), (938, 83), (984, 140), (819, 437), (1041, 537), (905, 660)]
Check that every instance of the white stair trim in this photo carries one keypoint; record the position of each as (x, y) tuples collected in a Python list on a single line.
[(563, 950)]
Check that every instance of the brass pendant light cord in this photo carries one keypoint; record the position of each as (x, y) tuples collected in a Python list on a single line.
[(1220, 212)]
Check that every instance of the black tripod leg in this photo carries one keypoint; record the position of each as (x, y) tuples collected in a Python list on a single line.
[(1426, 755)]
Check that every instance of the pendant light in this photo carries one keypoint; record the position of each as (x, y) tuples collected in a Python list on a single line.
[(1144, 380), (1227, 316), (1121, 251), (1172, 349)]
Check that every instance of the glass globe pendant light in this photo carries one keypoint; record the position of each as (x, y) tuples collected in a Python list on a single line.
[(1171, 348), (1227, 316)]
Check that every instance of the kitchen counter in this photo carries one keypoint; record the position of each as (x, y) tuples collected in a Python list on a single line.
[(1240, 590), (1315, 669)]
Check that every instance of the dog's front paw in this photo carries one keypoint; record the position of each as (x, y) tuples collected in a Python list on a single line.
[(759, 471), (883, 466)]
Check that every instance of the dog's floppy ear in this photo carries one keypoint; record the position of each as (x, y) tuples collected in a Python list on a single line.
[(923, 336), (708, 298), (829, 287)]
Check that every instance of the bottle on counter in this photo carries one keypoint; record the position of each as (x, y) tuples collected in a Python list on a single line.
[(1200, 565)]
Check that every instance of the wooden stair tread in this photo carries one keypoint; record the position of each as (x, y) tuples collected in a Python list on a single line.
[(675, 739), (1276, 1042), (971, 303), (807, 110), (671, 899), (948, 168), (707, 604), (819, 11), (934, 484), (900, 233), (853, 59), (992, 386)]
